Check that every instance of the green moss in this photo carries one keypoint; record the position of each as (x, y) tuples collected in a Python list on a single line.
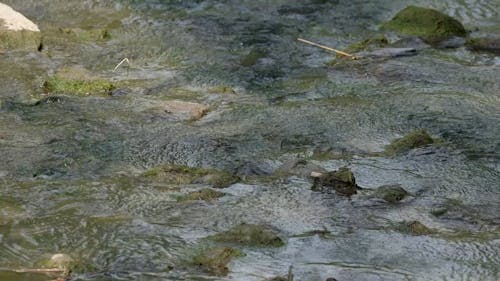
[(205, 194), (250, 235), (415, 139), (178, 174), (426, 23), (24, 39), (376, 41), (214, 261), (59, 85)]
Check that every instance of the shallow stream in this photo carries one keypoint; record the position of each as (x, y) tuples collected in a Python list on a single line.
[(70, 167)]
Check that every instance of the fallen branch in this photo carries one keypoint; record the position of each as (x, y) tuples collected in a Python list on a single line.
[(338, 52)]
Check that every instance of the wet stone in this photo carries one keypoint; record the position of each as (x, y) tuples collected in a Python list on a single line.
[(250, 235), (341, 181), (486, 44)]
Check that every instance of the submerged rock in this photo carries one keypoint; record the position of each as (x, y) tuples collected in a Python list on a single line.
[(178, 174), (378, 41), (388, 53), (250, 235), (341, 181), (205, 194), (77, 81), (214, 261), (490, 45), (391, 193), (299, 167), (414, 228), (429, 24), (185, 110), (415, 139), (16, 31)]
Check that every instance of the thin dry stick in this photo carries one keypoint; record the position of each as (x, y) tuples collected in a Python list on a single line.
[(328, 48), (125, 60)]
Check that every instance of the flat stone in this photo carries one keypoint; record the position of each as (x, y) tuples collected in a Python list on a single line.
[(16, 31), (185, 110)]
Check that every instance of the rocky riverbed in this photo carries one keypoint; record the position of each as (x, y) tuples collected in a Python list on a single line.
[(221, 148)]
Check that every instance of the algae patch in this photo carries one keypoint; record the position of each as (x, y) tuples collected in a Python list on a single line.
[(426, 23), (214, 261), (178, 174), (250, 235)]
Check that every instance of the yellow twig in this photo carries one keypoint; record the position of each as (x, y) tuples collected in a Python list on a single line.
[(328, 48)]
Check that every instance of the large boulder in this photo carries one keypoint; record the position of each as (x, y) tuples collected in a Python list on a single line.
[(16, 31), (428, 24)]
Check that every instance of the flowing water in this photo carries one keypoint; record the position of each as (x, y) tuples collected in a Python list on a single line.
[(69, 168)]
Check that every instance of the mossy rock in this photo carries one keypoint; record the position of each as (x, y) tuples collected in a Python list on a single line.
[(391, 193), (214, 261), (414, 228), (16, 31), (341, 181), (377, 41), (23, 39), (178, 174), (429, 24), (250, 235), (78, 82), (486, 44), (415, 139), (205, 194)]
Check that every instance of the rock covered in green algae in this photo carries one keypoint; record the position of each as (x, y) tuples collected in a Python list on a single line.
[(178, 174), (391, 193), (205, 194), (427, 23), (16, 31), (414, 228), (77, 81), (341, 181), (250, 235), (214, 261), (415, 139)]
